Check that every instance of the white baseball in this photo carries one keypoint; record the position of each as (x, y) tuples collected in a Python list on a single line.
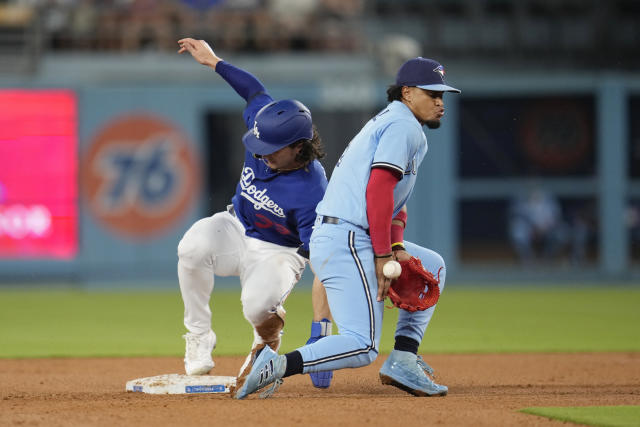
[(392, 269)]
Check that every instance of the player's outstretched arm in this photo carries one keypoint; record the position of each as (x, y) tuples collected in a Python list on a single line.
[(200, 50), (244, 83)]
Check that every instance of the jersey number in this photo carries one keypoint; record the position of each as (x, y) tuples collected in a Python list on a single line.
[(267, 223)]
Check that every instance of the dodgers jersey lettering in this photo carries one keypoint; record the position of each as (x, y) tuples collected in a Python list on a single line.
[(393, 139), (277, 207)]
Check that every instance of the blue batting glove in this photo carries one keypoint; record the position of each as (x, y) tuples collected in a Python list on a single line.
[(320, 330)]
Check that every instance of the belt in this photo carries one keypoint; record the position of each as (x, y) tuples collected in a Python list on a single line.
[(334, 220), (231, 210), (330, 220)]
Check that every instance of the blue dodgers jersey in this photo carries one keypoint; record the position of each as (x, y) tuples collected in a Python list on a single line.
[(277, 207), (393, 139)]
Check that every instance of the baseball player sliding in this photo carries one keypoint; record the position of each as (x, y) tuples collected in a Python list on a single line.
[(359, 228), (263, 236)]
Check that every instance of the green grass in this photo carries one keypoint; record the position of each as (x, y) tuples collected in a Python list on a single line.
[(546, 319), (609, 416), (46, 323)]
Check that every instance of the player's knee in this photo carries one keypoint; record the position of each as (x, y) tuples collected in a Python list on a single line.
[(438, 261), (434, 262), (441, 271), (365, 359), (363, 341), (194, 248), (370, 357), (256, 308)]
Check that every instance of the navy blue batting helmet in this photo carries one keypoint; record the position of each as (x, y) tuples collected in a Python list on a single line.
[(277, 125)]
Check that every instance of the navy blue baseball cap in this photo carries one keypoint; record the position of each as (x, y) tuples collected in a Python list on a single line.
[(277, 125), (424, 73)]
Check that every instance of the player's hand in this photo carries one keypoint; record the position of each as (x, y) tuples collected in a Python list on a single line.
[(383, 282), (401, 255), (200, 50)]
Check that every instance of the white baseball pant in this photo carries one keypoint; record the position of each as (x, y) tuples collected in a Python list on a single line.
[(217, 245)]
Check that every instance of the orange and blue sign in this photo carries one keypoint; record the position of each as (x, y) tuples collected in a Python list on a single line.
[(140, 175)]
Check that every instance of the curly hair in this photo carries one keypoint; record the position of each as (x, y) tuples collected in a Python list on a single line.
[(394, 93), (311, 148)]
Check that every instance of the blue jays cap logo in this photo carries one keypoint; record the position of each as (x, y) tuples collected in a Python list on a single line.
[(424, 73), (256, 133)]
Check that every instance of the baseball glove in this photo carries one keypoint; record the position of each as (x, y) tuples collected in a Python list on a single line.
[(416, 288)]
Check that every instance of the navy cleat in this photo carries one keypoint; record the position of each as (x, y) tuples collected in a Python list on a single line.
[(267, 368), (320, 330), (410, 373)]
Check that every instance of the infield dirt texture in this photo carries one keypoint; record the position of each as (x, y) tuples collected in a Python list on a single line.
[(499, 351), (484, 390)]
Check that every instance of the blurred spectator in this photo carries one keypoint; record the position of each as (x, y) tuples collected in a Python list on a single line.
[(15, 13), (192, 18), (201, 5), (109, 25), (291, 25), (56, 17), (148, 22), (394, 50), (241, 24), (333, 25), (83, 23), (535, 221), (339, 25)]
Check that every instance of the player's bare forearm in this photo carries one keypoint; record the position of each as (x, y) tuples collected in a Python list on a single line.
[(383, 282), (200, 50)]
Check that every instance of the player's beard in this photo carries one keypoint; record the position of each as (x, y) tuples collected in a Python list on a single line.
[(432, 124)]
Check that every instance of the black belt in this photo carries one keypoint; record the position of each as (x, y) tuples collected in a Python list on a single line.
[(330, 220), (231, 210), (334, 220)]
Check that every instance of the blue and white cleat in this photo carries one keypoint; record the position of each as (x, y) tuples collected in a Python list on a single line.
[(407, 371), (267, 368), (320, 330)]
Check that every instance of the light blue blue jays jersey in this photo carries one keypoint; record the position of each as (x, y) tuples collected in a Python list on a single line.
[(393, 139)]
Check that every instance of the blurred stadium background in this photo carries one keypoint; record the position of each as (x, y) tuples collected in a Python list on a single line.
[(111, 144)]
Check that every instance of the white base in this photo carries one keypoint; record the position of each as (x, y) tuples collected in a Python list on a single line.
[(182, 384)]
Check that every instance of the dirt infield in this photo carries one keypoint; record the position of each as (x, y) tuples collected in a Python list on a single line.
[(484, 390)]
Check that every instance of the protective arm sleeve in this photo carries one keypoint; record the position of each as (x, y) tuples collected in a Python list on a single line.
[(379, 196), (248, 87), (398, 224), (243, 82)]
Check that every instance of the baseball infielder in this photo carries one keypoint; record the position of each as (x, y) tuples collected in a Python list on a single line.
[(263, 236), (353, 239)]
